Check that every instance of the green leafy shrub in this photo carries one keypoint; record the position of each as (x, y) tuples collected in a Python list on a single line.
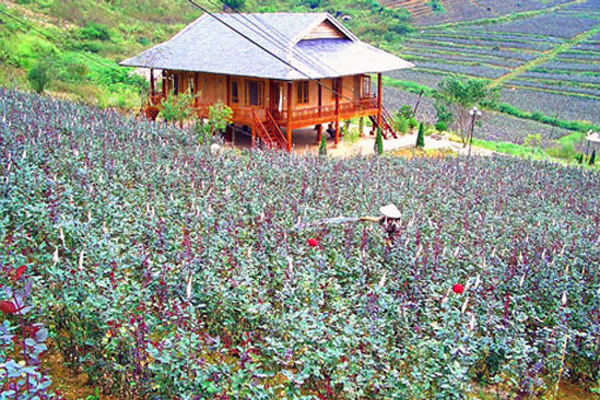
[(401, 124), (413, 123), (40, 76), (566, 151), (178, 108), (441, 126), (94, 31), (406, 111), (219, 116), (533, 141)]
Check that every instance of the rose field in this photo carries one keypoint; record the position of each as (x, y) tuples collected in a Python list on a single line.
[(163, 270)]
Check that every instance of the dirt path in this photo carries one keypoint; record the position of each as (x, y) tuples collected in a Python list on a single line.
[(366, 145)]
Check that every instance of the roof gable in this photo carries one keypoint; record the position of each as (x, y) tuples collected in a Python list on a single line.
[(325, 30), (325, 27)]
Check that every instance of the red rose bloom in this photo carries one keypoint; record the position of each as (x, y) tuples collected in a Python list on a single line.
[(19, 272), (458, 288), (312, 242), (7, 307)]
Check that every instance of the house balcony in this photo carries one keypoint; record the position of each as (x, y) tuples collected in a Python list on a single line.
[(308, 116), (301, 117)]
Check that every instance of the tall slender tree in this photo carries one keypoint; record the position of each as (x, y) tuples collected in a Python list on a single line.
[(323, 146), (379, 142), (421, 136)]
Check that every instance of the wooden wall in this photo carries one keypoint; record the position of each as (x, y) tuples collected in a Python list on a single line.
[(213, 88)]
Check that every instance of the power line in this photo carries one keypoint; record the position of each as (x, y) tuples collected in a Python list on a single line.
[(270, 36), (283, 45), (213, 15)]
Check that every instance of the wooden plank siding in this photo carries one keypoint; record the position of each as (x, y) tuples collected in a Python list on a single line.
[(212, 88), (325, 30)]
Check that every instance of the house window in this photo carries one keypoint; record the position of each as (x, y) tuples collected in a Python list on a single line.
[(302, 92), (366, 86), (254, 93), (175, 84), (235, 97)]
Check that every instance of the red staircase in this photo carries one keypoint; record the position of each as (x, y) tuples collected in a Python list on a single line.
[(268, 131), (387, 124)]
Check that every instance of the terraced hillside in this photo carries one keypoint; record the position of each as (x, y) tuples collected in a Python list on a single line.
[(427, 12), (546, 61)]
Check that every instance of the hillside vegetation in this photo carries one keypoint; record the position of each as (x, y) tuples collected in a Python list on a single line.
[(163, 270), (79, 43)]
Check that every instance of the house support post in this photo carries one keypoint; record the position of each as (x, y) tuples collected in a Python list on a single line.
[(288, 127), (320, 93), (197, 92), (337, 110), (319, 132), (164, 83), (228, 91), (379, 101), (151, 83)]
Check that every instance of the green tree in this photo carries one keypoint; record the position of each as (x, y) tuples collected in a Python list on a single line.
[(454, 98), (323, 146), (379, 142), (421, 136), (235, 4)]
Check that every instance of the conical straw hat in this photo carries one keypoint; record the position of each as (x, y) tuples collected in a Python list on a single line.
[(390, 211)]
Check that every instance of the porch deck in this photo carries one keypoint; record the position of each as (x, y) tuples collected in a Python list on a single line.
[(301, 117)]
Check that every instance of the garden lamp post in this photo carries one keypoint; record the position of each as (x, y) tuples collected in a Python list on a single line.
[(474, 112)]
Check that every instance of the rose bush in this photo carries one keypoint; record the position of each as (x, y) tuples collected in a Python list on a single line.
[(162, 270)]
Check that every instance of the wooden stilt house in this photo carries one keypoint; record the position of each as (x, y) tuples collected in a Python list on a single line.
[(278, 72)]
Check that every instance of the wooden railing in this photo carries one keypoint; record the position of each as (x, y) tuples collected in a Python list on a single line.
[(328, 110), (275, 126), (245, 115)]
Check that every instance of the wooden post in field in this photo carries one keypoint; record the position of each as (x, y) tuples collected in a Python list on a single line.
[(338, 88), (288, 127)]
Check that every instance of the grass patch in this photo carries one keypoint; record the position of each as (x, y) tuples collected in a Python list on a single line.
[(407, 86)]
